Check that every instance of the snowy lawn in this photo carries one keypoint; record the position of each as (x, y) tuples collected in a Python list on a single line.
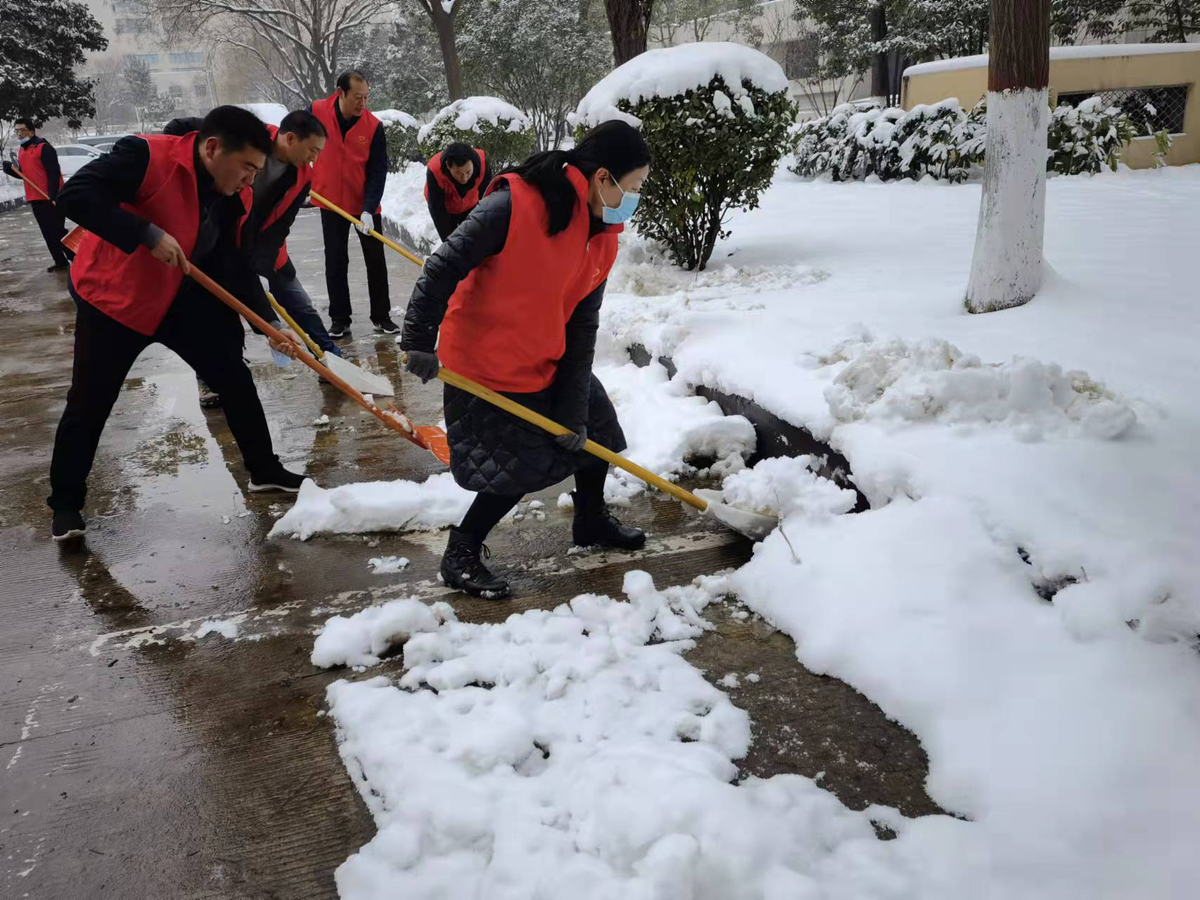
[(574, 753)]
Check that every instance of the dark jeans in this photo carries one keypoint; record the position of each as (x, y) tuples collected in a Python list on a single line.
[(292, 297), (336, 231), (50, 220), (207, 335)]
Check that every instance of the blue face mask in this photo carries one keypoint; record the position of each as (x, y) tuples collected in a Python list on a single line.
[(615, 215)]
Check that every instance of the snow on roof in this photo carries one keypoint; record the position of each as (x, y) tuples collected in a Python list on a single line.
[(673, 70), (271, 113), (1091, 51), (470, 111), (388, 116)]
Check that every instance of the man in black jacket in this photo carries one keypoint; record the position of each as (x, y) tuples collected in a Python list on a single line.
[(38, 162)]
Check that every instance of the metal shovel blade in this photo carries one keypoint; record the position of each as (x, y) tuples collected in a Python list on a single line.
[(357, 378), (755, 526)]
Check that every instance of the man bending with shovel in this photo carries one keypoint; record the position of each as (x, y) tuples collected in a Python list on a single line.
[(151, 205)]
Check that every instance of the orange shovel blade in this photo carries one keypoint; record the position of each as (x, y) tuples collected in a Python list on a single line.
[(72, 240), (434, 440)]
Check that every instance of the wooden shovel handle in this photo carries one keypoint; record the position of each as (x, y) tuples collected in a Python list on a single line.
[(283, 314), (522, 412), (33, 184), (334, 208)]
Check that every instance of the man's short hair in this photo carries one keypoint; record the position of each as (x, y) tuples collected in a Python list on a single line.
[(27, 122), (237, 129), (302, 124), (458, 154), (348, 76)]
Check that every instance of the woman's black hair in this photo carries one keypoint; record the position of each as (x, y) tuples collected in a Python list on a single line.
[(616, 146)]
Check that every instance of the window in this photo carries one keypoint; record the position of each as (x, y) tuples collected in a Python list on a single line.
[(200, 91), (1152, 109), (176, 92), (186, 59), (125, 6), (72, 151), (131, 26), (800, 57), (149, 59)]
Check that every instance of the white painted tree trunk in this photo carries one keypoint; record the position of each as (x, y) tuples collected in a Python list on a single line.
[(1006, 270)]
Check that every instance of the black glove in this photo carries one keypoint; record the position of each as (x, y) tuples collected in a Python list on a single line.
[(10, 170), (422, 364), (572, 441)]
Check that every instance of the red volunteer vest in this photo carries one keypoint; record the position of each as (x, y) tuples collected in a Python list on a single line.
[(304, 177), (456, 205), (29, 161), (505, 325), (135, 288), (340, 173)]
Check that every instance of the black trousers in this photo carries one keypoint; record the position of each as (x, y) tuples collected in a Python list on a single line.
[(487, 510), (335, 231), (209, 338), (50, 220)]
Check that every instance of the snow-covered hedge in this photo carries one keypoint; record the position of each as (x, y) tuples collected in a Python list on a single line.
[(401, 131), (504, 133), (943, 141), (716, 116)]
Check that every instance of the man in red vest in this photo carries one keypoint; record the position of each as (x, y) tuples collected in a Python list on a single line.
[(152, 205), (38, 162), (455, 180), (351, 173)]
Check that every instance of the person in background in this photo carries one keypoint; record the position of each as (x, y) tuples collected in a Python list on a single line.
[(454, 181), (154, 206), (38, 162), (512, 301), (351, 173)]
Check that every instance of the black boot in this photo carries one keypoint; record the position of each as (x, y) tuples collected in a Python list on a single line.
[(596, 526), (463, 569)]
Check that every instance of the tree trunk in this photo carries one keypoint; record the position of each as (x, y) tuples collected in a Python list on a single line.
[(880, 76), (1006, 269), (443, 23), (629, 22)]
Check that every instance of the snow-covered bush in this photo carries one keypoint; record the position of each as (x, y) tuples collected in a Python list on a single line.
[(716, 116), (501, 130), (941, 141), (401, 131), (1087, 137)]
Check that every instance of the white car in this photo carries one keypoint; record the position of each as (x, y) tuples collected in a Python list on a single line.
[(73, 157)]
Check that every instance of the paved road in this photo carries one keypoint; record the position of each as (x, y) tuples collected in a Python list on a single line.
[(138, 763)]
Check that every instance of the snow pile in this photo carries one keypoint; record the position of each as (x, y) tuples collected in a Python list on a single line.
[(387, 565), (11, 189), (227, 628), (666, 425), (360, 639), (469, 113), (434, 503), (668, 71), (271, 113), (933, 379), (574, 753), (786, 486), (404, 205), (395, 116)]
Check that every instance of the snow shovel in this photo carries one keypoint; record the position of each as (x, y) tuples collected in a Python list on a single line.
[(357, 378), (334, 208), (755, 526), (29, 181)]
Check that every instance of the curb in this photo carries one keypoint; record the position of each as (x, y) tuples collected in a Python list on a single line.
[(14, 203), (776, 437)]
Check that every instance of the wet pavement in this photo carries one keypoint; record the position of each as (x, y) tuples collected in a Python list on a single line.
[(138, 760)]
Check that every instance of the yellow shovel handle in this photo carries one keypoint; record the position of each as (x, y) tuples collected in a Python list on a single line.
[(283, 313), (522, 412), (333, 207)]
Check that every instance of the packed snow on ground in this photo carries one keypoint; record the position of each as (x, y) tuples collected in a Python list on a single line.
[(227, 628), (404, 204), (469, 112), (401, 505), (668, 71), (271, 113), (359, 640), (387, 565)]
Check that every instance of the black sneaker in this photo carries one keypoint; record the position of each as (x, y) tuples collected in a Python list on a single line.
[(463, 569), (58, 267), (209, 399), (278, 480), (339, 328), (385, 326), (596, 526), (66, 526)]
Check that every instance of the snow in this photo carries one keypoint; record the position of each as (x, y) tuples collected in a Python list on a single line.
[(271, 113), (11, 189), (469, 112), (360, 639), (786, 486), (227, 628), (401, 505), (1089, 51), (394, 116), (387, 565), (404, 204), (668, 71)]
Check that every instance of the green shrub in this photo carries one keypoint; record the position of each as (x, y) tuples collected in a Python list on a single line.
[(503, 132), (402, 145), (1087, 137), (712, 154)]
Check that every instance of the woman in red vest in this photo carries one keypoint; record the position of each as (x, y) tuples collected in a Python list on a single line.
[(455, 180), (512, 300)]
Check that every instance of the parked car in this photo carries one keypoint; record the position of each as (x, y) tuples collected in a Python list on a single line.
[(73, 157), (99, 140)]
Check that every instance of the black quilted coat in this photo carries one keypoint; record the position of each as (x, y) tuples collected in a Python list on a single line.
[(492, 451)]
